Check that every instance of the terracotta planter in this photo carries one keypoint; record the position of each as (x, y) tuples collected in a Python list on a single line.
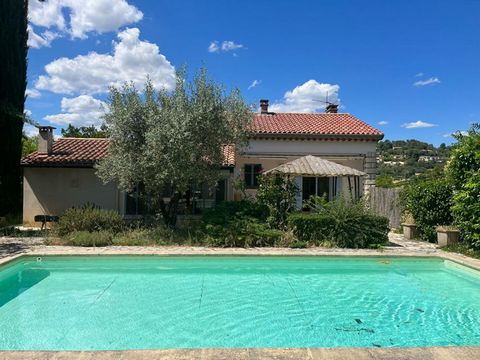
[(447, 236), (409, 231)]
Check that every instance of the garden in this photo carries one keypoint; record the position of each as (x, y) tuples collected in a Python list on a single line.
[(268, 220)]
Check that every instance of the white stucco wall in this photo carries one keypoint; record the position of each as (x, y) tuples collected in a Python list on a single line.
[(50, 191), (309, 147), (271, 153)]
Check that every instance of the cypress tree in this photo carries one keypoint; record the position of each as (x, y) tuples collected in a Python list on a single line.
[(13, 81)]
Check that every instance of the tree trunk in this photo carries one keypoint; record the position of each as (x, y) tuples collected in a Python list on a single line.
[(169, 210)]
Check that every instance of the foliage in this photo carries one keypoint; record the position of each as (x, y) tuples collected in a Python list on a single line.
[(228, 211), (298, 245), (85, 131), (464, 249), (338, 207), (340, 222), (384, 181), (400, 159), (29, 144), (88, 218), (242, 232), (13, 78), (429, 202), (466, 210), (239, 224), (360, 231), (465, 159), (463, 170), (169, 140), (88, 238), (277, 193), (12, 231)]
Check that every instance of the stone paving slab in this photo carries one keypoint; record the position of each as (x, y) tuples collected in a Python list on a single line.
[(433, 353)]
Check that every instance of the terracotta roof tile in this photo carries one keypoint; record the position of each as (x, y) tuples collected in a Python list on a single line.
[(228, 155), (81, 152), (315, 124), (70, 152)]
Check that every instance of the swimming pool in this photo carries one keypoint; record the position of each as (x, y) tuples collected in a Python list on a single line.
[(143, 302)]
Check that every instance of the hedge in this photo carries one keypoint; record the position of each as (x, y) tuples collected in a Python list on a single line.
[(360, 231)]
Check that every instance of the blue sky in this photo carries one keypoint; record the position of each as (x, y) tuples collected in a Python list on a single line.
[(410, 68)]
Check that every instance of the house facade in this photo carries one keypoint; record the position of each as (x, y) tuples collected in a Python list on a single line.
[(328, 154)]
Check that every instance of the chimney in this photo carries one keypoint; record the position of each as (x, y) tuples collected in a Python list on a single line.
[(45, 141), (264, 106), (331, 109)]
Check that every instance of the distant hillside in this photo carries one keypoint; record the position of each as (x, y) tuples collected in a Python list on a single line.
[(403, 159)]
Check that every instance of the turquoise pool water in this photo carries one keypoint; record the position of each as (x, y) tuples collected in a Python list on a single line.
[(97, 303)]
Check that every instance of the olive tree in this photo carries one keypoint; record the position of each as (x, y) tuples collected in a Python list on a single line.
[(169, 140)]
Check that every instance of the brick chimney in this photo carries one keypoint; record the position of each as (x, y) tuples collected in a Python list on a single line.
[(45, 141), (331, 109), (264, 106)]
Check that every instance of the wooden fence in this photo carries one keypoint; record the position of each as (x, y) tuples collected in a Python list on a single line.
[(386, 202)]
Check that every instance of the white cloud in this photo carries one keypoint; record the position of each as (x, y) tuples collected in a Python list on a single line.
[(308, 97), (418, 125), (230, 45), (33, 93), (225, 46), (132, 61), (430, 81), (254, 83), (30, 130), (383, 123), (213, 47), (82, 110), (78, 18), (43, 40), (420, 74), (27, 112)]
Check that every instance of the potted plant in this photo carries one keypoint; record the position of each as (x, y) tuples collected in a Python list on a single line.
[(409, 227), (447, 235)]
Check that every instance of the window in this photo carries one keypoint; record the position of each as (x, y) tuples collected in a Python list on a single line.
[(134, 204), (319, 186), (323, 187), (251, 175)]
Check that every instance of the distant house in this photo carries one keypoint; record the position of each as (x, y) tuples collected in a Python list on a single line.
[(327, 153), (430, 158)]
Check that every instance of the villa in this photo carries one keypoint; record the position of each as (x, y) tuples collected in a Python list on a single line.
[(329, 154)]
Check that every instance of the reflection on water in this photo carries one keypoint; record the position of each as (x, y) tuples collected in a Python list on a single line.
[(18, 282)]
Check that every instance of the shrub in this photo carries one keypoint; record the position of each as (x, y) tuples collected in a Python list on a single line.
[(242, 232), (465, 158), (342, 223), (464, 171), (429, 203), (88, 218), (466, 210), (298, 245), (226, 211), (239, 224), (278, 194), (86, 238)]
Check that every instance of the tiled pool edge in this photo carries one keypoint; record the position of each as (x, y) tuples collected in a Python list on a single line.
[(432, 353)]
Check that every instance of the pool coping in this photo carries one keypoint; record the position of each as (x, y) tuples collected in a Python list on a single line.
[(427, 353)]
